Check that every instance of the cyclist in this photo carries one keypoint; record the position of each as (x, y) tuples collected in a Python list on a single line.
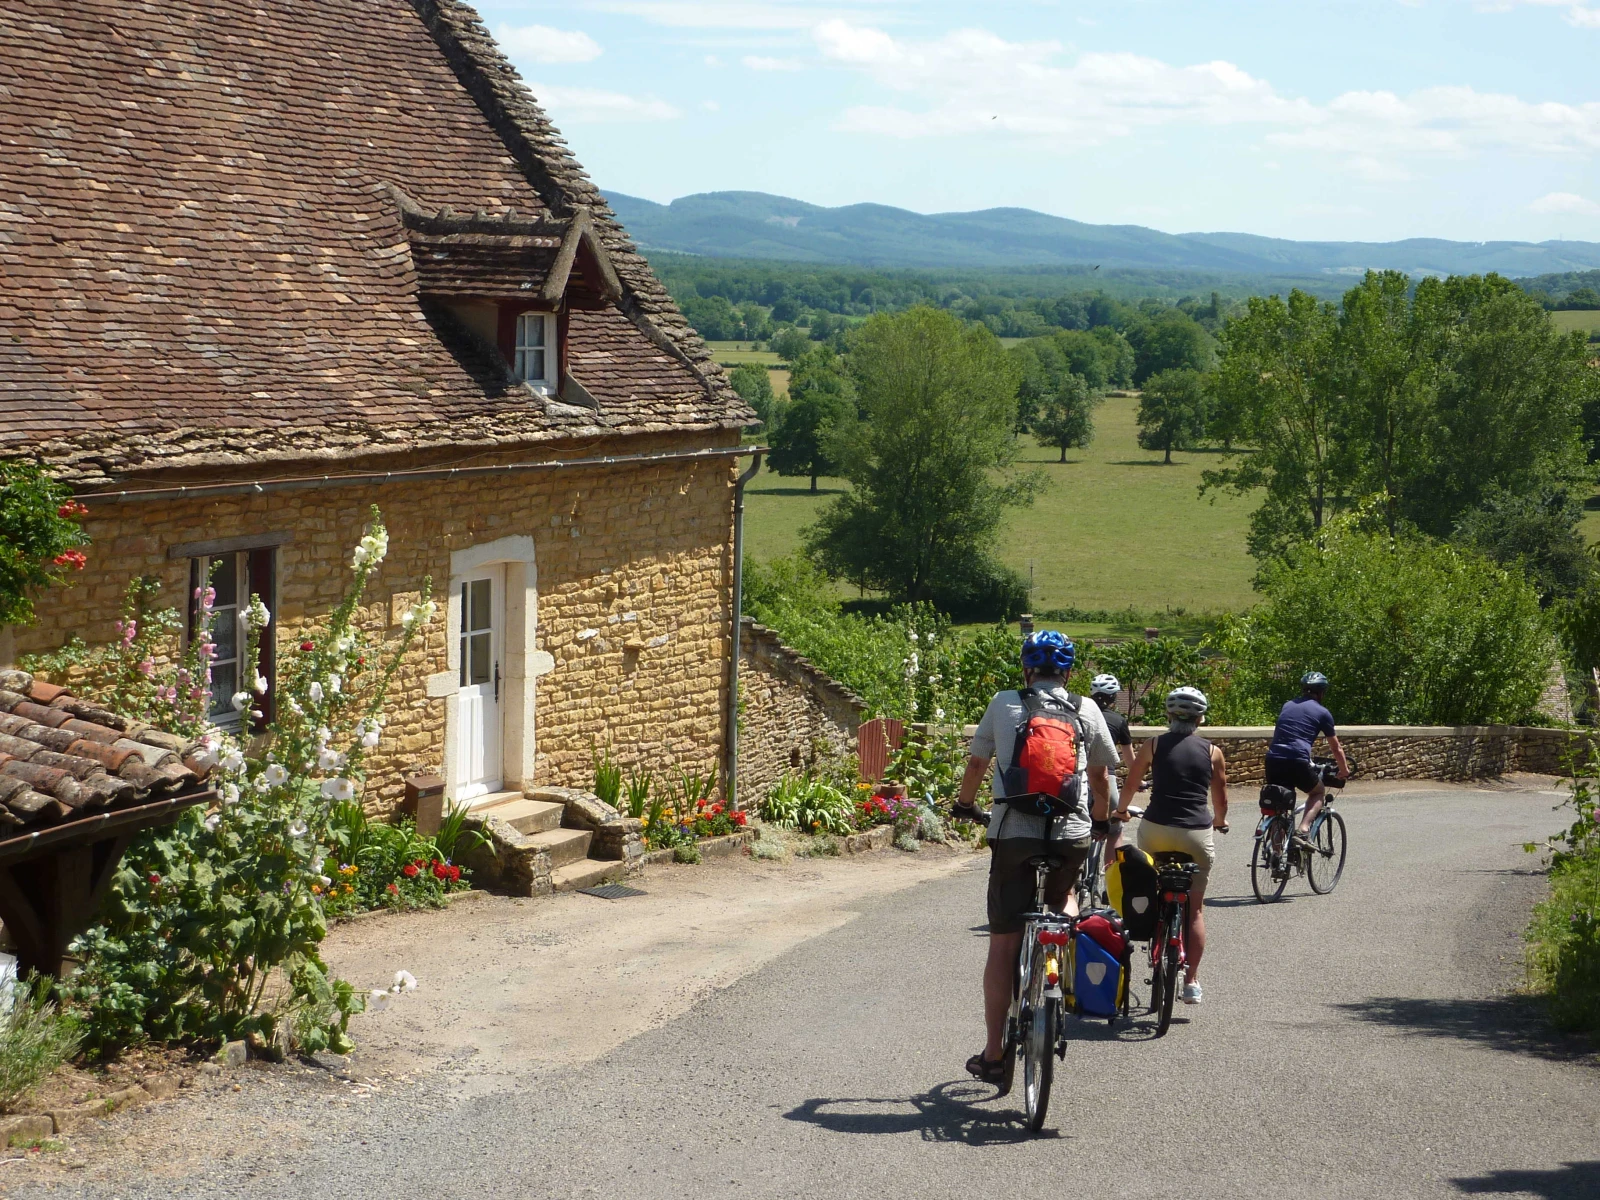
[(1186, 771), (1016, 836), (1289, 756), (1103, 690)]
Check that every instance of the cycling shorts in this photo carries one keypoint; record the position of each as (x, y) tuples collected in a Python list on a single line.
[(1011, 879), (1198, 844), (1293, 773)]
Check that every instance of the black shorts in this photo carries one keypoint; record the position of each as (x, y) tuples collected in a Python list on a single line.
[(1011, 879), (1294, 773)]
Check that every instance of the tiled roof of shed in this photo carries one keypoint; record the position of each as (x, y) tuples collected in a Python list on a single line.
[(203, 263), (62, 758)]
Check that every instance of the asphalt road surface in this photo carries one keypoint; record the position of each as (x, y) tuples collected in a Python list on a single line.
[(1363, 1044)]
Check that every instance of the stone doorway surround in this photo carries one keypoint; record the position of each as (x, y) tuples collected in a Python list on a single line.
[(524, 662)]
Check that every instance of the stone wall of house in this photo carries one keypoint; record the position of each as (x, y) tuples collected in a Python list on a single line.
[(1410, 751), (634, 598), (790, 713)]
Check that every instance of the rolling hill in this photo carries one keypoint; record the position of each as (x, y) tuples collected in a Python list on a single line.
[(755, 225)]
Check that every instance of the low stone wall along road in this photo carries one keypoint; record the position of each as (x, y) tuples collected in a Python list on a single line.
[(1365, 1044)]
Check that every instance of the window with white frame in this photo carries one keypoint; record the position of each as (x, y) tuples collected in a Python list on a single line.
[(533, 357), (234, 577)]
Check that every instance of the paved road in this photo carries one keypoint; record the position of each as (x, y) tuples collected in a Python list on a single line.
[(1357, 1045)]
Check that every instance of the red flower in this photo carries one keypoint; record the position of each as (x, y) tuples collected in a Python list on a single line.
[(72, 509), (737, 816), (308, 646), (71, 558), (409, 870), (394, 889), (716, 810), (154, 878), (455, 874)]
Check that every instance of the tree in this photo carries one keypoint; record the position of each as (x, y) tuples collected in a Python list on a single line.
[(753, 382), (1536, 534), (820, 397), (789, 343), (930, 463), (1066, 417), (1172, 341), (39, 537), (1172, 411)]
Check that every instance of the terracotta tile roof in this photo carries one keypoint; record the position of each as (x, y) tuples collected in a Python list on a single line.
[(62, 758), (203, 262)]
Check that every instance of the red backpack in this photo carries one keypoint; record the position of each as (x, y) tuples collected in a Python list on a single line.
[(1045, 757)]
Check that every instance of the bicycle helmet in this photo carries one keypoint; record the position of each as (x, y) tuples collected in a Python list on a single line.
[(1187, 703), (1047, 650), (1314, 681), (1105, 685)]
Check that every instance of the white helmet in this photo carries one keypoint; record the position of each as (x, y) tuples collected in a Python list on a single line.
[(1105, 685), (1187, 703)]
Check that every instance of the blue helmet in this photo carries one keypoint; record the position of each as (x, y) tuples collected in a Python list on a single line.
[(1314, 681), (1048, 650)]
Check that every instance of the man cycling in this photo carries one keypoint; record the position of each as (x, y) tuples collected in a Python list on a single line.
[(1289, 756), (1015, 835), (1103, 690), (1187, 771)]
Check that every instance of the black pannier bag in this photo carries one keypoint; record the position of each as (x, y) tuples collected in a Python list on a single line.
[(1276, 798)]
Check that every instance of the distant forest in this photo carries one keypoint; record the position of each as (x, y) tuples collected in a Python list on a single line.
[(750, 300)]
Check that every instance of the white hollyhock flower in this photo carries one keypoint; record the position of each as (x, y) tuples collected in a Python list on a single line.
[(274, 775), (213, 821), (329, 759), (404, 981), (230, 794), (294, 707), (233, 762), (257, 614), (338, 789), (369, 739), (298, 829), (240, 699), (314, 692), (358, 557), (206, 756), (333, 682), (378, 1000), (261, 685)]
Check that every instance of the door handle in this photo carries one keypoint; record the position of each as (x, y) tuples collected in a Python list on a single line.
[(497, 681)]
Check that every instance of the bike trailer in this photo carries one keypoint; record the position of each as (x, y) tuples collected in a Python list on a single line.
[(1276, 798), (1131, 885), (1097, 978)]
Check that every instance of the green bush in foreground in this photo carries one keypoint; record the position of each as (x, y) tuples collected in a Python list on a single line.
[(35, 1039), (1564, 935)]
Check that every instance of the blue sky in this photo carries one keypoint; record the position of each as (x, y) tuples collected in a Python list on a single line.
[(1338, 119)]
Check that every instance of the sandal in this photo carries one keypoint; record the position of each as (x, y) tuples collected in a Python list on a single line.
[(987, 1070)]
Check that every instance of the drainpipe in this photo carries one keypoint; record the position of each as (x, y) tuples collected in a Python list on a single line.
[(730, 772)]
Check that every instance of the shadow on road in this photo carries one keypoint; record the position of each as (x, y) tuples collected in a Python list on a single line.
[(1570, 1181), (1514, 1023), (948, 1112), (1244, 901)]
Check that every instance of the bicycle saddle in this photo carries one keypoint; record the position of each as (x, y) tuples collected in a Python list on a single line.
[(1172, 858), (1051, 862)]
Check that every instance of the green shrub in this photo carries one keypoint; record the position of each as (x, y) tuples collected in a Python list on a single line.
[(607, 776), (636, 794), (373, 864), (35, 1038), (1564, 934), (809, 805), (1409, 631)]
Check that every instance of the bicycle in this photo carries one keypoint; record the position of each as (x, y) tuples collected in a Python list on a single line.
[(1092, 883), (1276, 858), (1168, 952), (1035, 1029)]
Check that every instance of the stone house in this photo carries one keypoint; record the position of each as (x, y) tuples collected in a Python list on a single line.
[(264, 266)]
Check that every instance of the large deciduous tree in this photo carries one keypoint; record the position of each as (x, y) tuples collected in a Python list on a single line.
[(930, 464), (820, 398), (1172, 411)]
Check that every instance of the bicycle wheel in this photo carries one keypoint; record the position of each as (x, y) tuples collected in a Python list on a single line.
[(1169, 985), (1091, 883), (1327, 863), (1268, 869), (1158, 953), (1038, 1049)]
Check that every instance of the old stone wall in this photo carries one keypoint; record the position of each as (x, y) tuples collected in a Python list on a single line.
[(633, 582), (790, 713)]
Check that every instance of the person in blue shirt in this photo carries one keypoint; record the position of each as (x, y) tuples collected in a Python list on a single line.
[(1289, 755)]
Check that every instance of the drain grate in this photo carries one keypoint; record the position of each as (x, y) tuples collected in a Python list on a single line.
[(611, 891)]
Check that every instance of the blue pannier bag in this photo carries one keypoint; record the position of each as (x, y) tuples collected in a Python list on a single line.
[(1097, 980)]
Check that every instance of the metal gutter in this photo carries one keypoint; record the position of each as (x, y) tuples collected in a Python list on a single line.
[(376, 479), (730, 775)]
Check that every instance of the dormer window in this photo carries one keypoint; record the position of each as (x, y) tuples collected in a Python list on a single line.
[(533, 356)]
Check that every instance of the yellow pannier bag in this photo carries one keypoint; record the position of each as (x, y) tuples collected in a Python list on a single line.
[(1133, 891)]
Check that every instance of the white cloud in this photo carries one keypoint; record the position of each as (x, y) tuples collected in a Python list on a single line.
[(592, 104), (542, 44), (1565, 203), (710, 106), (1578, 12), (760, 62), (970, 80), (717, 14)]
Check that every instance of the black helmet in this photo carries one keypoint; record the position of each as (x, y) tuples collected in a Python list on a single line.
[(1314, 681)]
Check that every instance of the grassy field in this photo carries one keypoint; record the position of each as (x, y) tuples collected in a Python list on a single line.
[(731, 354), (1578, 319), (1113, 526)]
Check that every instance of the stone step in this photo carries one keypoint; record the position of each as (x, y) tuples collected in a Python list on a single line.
[(563, 845), (586, 873), (525, 816)]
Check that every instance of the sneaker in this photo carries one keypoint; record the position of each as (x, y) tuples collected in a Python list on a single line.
[(1302, 841), (1191, 993)]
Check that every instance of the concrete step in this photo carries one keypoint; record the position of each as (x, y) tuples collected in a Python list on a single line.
[(586, 873), (525, 816), (563, 845)]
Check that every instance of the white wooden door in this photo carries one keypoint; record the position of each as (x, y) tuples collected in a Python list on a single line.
[(482, 636)]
